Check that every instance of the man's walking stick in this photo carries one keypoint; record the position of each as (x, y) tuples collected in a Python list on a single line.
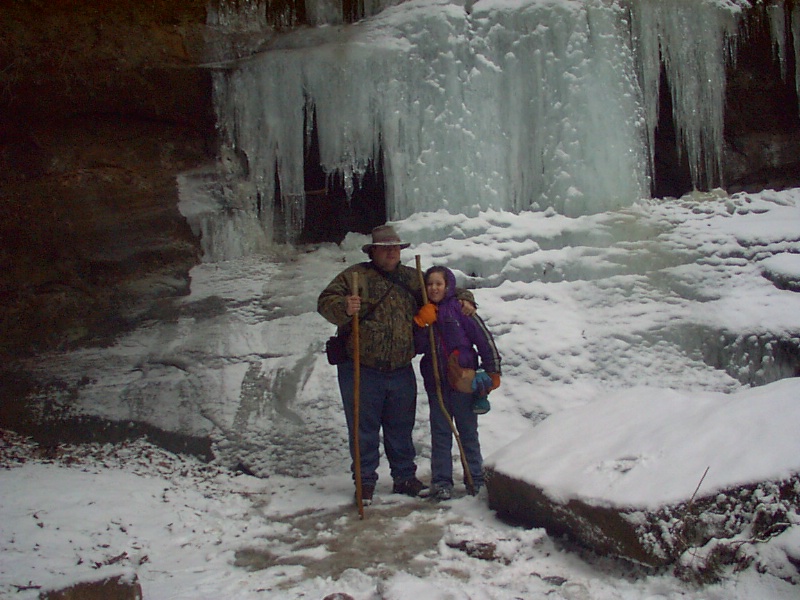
[(356, 394), (438, 380)]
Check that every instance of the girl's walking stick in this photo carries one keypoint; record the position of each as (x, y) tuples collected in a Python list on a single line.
[(438, 379), (356, 394)]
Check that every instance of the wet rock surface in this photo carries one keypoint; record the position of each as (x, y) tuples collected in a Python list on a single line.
[(94, 241)]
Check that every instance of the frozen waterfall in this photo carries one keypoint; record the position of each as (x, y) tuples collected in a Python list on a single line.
[(505, 104)]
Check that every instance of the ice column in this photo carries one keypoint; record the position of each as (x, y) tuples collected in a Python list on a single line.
[(554, 86), (777, 30), (778, 15), (694, 40)]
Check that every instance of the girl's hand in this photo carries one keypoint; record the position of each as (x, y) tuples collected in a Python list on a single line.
[(482, 384), (426, 315)]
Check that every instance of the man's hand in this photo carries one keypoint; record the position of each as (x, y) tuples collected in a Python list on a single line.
[(468, 308), (352, 305)]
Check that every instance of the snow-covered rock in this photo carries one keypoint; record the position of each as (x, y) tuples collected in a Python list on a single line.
[(663, 478)]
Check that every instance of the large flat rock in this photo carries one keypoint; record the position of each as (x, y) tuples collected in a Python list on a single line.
[(662, 477)]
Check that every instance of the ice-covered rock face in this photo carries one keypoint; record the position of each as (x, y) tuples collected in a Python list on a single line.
[(507, 105), (72, 180), (665, 293)]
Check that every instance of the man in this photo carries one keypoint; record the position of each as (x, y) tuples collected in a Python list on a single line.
[(386, 301)]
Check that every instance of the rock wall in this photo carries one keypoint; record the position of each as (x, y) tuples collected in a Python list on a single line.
[(101, 105)]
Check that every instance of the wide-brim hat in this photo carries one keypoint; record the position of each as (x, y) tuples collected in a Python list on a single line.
[(384, 235)]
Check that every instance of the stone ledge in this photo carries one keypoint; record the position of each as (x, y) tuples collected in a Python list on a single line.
[(697, 537)]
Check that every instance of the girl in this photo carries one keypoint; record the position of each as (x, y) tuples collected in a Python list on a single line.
[(457, 337)]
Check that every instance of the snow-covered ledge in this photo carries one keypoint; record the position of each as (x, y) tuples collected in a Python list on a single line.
[(663, 476)]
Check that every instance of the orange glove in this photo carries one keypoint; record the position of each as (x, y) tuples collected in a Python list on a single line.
[(426, 315), (495, 380)]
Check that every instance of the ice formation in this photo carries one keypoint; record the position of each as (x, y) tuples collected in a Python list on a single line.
[(780, 15), (505, 104)]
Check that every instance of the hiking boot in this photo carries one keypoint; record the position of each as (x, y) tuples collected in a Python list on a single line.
[(442, 493), (410, 487), (480, 405), (367, 491)]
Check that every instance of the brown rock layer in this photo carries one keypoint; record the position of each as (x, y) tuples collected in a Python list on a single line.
[(102, 105)]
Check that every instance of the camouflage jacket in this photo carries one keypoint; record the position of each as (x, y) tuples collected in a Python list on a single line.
[(389, 302)]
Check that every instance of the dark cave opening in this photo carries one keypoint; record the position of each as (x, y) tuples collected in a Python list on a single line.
[(329, 216), (671, 176)]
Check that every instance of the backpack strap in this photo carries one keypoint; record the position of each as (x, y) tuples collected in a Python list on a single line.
[(398, 282)]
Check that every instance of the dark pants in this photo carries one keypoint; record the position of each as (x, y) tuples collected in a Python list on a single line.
[(459, 406), (387, 400)]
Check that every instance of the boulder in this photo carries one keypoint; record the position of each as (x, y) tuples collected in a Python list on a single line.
[(697, 537), (694, 481)]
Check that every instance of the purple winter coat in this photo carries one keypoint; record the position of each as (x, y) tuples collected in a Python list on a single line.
[(455, 331)]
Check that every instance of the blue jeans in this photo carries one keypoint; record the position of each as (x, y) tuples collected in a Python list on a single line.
[(466, 421), (387, 400)]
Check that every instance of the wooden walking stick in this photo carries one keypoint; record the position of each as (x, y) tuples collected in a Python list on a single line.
[(356, 394), (438, 380)]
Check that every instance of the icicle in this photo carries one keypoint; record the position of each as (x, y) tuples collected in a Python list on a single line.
[(693, 39), (778, 15), (648, 59), (777, 30)]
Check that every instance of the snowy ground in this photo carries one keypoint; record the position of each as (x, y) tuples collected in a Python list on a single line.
[(583, 309)]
